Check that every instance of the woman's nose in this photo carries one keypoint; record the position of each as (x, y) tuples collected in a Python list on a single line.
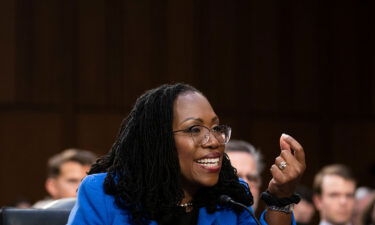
[(210, 141)]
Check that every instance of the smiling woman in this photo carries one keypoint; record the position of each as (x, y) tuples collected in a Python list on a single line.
[(200, 145), (168, 166)]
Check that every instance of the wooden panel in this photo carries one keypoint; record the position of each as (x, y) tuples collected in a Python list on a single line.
[(305, 59), (145, 47), (220, 61), (115, 52), (286, 57), (366, 49), (44, 78), (243, 72), (27, 139), (97, 131), (202, 45), (43, 53), (346, 94), (215, 51), (25, 48), (354, 144), (7, 46), (92, 76), (265, 34), (345, 58), (137, 44), (180, 42)]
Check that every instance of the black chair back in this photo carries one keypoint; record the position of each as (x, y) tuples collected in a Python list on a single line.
[(13, 216)]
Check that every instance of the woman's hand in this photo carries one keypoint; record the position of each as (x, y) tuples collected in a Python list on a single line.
[(288, 168)]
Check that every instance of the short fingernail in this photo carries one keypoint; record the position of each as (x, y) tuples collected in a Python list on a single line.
[(285, 135)]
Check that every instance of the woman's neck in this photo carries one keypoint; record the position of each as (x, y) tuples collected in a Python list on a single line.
[(189, 193), (188, 197)]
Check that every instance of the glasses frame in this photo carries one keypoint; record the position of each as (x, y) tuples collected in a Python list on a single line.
[(207, 137)]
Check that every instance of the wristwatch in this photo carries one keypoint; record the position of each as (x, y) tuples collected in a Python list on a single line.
[(284, 209)]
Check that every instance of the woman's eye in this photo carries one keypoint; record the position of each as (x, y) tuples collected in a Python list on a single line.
[(194, 129), (218, 129)]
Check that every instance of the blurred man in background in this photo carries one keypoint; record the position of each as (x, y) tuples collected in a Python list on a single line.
[(304, 211), (64, 174), (248, 162), (334, 187)]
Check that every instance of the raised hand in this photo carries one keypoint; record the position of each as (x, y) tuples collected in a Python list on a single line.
[(288, 168)]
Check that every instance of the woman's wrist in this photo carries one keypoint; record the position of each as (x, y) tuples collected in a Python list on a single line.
[(272, 200)]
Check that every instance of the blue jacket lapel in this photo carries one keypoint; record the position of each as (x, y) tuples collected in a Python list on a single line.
[(220, 217)]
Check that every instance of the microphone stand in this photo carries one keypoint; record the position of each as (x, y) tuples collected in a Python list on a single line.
[(225, 199)]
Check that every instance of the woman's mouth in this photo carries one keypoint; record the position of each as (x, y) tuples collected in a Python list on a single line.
[(209, 162)]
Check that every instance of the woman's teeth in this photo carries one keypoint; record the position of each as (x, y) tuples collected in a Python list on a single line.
[(209, 162)]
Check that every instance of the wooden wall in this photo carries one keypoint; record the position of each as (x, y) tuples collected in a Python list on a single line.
[(70, 70)]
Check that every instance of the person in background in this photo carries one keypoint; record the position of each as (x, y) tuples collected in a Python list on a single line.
[(304, 211), (363, 197), (249, 164), (21, 203), (368, 215), (333, 194), (65, 172)]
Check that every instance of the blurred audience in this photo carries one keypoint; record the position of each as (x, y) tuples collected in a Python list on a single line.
[(363, 198), (304, 211), (368, 215), (334, 187), (248, 162), (64, 174), (21, 203)]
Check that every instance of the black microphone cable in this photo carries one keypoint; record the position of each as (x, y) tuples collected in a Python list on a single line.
[(225, 199)]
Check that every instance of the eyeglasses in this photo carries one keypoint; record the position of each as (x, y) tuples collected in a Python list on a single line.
[(201, 134)]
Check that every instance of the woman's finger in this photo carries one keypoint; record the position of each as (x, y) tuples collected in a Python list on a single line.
[(283, 144), (289, 157), (299, 153), (277, 174)]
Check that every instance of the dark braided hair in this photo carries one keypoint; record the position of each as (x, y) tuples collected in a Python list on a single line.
[(143, 172)]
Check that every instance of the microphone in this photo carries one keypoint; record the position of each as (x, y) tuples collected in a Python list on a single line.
[(226, 200)]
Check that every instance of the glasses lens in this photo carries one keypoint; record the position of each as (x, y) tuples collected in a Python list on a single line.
[(200, 134), (228, 132), (197, 133), (221, 133)]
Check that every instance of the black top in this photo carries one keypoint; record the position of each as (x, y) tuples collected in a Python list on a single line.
[(181, 217)]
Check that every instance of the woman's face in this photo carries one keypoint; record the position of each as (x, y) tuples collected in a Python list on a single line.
[(200, 163)]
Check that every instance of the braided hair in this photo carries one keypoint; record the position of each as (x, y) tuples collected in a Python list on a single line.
[(143, 172)]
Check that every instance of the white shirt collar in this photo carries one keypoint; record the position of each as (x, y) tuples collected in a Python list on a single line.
[(324, 222)]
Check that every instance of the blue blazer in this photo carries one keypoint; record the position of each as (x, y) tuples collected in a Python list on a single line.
[(95, 207)]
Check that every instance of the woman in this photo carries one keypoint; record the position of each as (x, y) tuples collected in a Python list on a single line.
[(168, 166)]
